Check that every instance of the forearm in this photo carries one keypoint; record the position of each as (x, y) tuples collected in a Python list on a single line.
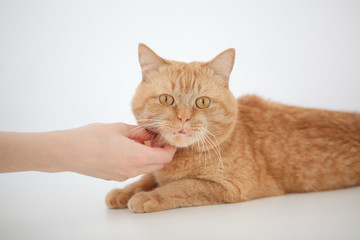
[(31, 152), (107, 151)]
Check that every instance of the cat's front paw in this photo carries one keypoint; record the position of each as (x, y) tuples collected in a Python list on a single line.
[(144, 202), (117, 198)]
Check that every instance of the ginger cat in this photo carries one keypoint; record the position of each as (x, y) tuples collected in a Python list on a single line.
[(232, 150)]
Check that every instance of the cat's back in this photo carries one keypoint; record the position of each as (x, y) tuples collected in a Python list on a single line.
[(304, 149), (267, 115)]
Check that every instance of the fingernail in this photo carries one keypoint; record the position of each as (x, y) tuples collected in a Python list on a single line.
[(148, 143), (154, 144)]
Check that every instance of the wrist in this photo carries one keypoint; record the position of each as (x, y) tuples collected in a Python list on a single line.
[(44, 152), (56, 150)]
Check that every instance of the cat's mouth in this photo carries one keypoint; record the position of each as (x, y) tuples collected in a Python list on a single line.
[(181, 133), (179, 138)]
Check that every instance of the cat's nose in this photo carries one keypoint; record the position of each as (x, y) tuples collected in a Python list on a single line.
[(183, 118)]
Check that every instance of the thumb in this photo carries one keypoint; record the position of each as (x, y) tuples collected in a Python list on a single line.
[(138, 133)]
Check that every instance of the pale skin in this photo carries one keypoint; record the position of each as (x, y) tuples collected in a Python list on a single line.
[(113, 151)]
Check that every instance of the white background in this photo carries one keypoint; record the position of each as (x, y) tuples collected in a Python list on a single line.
[(64, 64)]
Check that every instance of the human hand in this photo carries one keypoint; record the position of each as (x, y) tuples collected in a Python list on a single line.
[(114, 151)]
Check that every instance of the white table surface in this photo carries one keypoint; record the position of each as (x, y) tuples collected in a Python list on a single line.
[(69, 206)]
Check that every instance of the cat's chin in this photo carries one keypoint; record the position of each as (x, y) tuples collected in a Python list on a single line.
[(181, 143), (179, 140)]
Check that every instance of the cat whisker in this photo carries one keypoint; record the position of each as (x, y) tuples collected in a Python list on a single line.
[(199, 136), (198, 144), (216, 149), (154, 123), (206, 137), (135, 131), (199, 149), (138, 129)]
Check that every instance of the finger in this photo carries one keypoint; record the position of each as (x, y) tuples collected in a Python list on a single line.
[(137, 133), (159, 155), (150, 168), (141, 134), (154, 144)]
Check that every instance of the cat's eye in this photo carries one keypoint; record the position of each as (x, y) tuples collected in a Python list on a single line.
[(203, 102), (166, 99)]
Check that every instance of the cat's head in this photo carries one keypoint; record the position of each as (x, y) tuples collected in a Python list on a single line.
[(186, 104)]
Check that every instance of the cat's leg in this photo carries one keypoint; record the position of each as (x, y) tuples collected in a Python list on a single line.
[(181, 193), (118, 198)]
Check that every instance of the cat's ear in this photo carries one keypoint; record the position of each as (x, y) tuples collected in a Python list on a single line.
[(148, 59), (223, 64)]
